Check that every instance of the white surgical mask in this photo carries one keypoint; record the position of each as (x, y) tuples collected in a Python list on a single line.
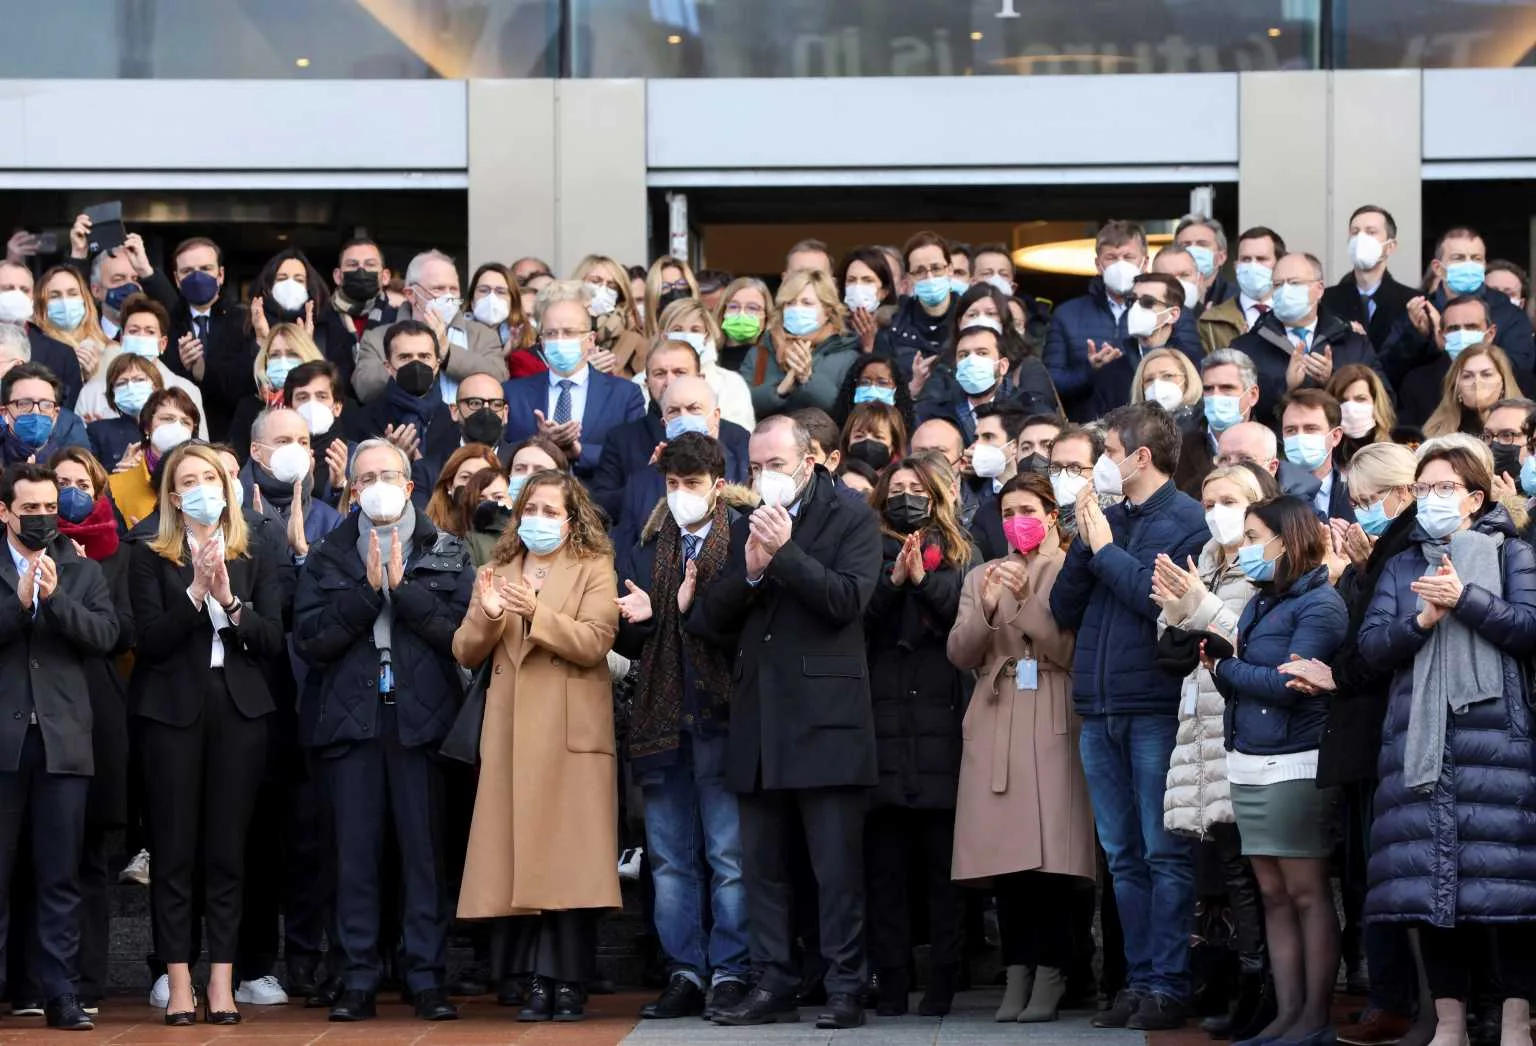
[(988, 461), (289, 463), (1142, 322), (492, 309), (1226, 523), (861, 296), (1120, 276), (15, 306), (1365, 251), (1191, 293), (777, 488), (317, 416), (1356, 418), (382, 502), (166, 438), (984, 319), (1107, 478), (687, 508), (290, 294), (1164, 393), (1066, 488), (446, 306), (604, 299), (1000, 283)]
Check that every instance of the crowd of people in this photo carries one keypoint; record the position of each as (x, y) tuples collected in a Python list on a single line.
[(854, 612)]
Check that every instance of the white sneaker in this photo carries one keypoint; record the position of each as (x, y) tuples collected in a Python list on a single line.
[(629, 863), (160, 994), (263, 991), (136, 870)]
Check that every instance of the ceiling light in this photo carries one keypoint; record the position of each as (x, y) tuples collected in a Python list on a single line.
[(302, 63), (1274, 31), (1071, 257), (674, 39), (976, 36)]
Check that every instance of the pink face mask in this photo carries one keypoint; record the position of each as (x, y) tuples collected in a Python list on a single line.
[(1024, 533)]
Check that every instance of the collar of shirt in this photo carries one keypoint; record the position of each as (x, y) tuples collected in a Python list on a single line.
[(703, 532), (1116, 308), (16, 557), (1250, 308), (206, 311), (579, 377), (1366, 291)]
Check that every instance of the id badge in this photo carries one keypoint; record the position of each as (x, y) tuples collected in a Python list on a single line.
[(1027, 674)]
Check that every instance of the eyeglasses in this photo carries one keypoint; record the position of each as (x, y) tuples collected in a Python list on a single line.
[(674, 285), (568, 334), (1147, 301), (30, 406), (475, 403), (736, 309), (1069, 470), (932, 270), (1445, 488), (1504, 437), (875, 383), (485, 290), (368, 479)]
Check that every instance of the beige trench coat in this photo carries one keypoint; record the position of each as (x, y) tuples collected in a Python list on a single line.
[(545, 829), (1023, 799)]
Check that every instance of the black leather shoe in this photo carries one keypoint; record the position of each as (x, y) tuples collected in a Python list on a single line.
[(183, 1018), (354, 1005), (890, 992), (843, 1011), (432, 1005), (570, 1003), (301, 980), (682, 998), (1120, 1011), (65, 1013), (325, 995), (759, 1007), (512, 992), (213, 1016), (541, 1002), (725, 995)]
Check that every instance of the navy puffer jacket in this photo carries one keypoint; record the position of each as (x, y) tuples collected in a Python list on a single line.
[(1466, 850)]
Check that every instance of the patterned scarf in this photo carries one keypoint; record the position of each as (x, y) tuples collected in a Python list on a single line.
[(659, 694)]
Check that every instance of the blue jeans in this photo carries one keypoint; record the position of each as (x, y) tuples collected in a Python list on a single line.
[(690, 819), (1126, 758)]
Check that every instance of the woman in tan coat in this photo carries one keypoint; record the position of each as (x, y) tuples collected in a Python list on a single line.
[(1022, 818), (543, 841)]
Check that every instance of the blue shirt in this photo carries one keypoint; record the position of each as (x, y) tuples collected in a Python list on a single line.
[(578, 392), (22, 566)]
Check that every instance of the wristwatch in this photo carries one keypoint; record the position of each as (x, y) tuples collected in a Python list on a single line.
[(232, 607)]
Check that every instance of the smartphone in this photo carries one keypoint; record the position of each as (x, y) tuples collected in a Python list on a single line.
[(48, 243), (107, 229)]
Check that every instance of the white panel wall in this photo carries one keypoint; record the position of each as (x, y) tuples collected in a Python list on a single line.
[(356, 125), (1479, 114), (1019, 121)]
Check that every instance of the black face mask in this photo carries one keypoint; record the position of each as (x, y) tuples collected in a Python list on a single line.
[(490, 517), (37, 532), (906, 512), (416, 378), (1035, 463), (483, 426), (668, 298), (1505, 459), (870, 451), (360, 286)]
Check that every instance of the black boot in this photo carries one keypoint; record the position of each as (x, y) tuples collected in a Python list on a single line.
[(891, 992), (1255, 1007), (942, 982)]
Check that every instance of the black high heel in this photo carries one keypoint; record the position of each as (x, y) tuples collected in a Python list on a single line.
[(212, 1016), (183, 1018)]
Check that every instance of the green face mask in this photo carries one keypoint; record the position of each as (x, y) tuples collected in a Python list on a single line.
[(741, 327)]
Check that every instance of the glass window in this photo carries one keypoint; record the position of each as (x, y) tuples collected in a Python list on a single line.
[(1434, 34)]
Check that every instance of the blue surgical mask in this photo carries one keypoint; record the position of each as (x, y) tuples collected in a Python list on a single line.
[(1255, 280), (515, 485), (74, 504), (1292, 302), (1251, 561), (66, 313), (801, 320), (117, 295), (687, 423), (278, 371), (562, 354), (932, 291), (141, 345), (203, 504), (875, 394), (1459, 341), (1307, 449), (1222, 412), (539, 535), (957, 286), (33, 429), (976, 374), (1528, 477), (1373, 519), (1464, 277), (1440, 516), (1205, 259), (131, 396)]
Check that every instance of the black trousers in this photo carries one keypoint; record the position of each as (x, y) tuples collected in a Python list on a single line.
[(51, 808), (265, 860), (201, 781), (1036, 918), (559, 946), (1458, 960), (895, 840), (374, 784), (832, 821), (309, 870), (95, 914)]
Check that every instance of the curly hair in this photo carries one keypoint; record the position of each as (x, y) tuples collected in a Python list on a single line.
[(588, 536)]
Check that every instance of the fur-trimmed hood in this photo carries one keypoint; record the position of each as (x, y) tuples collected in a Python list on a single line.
[(736, 497)]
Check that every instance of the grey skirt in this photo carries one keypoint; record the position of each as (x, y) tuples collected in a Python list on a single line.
[(1289, 819)]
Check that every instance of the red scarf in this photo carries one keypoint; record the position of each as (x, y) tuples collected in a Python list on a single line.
[(97, 533)]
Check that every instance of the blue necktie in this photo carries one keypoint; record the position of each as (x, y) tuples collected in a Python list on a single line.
[(1300, 334), (1370, 306), (200, 325), (691, 544), (563, 403)]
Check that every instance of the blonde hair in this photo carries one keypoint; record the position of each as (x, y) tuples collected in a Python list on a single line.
[(610, 270), (1239, 475), (826, 293), (685, 311), (653, 288), (1193, 388), (1380, 467), (171, 539), (298, 341), (1447, 416), (90, 327), (588, 537)]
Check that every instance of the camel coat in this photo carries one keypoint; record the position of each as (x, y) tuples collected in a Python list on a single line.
[(545, 829), (1023, 799)]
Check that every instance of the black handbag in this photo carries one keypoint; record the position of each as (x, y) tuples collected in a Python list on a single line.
[(463, 741)]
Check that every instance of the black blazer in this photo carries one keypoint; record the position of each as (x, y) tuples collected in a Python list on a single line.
[(1391, 298), (229, 352), (800, 708), (59, 358), (76, 624), (107, 804), (176, 638)]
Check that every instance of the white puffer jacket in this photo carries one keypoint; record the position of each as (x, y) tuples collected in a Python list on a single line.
[(1197, 796)]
